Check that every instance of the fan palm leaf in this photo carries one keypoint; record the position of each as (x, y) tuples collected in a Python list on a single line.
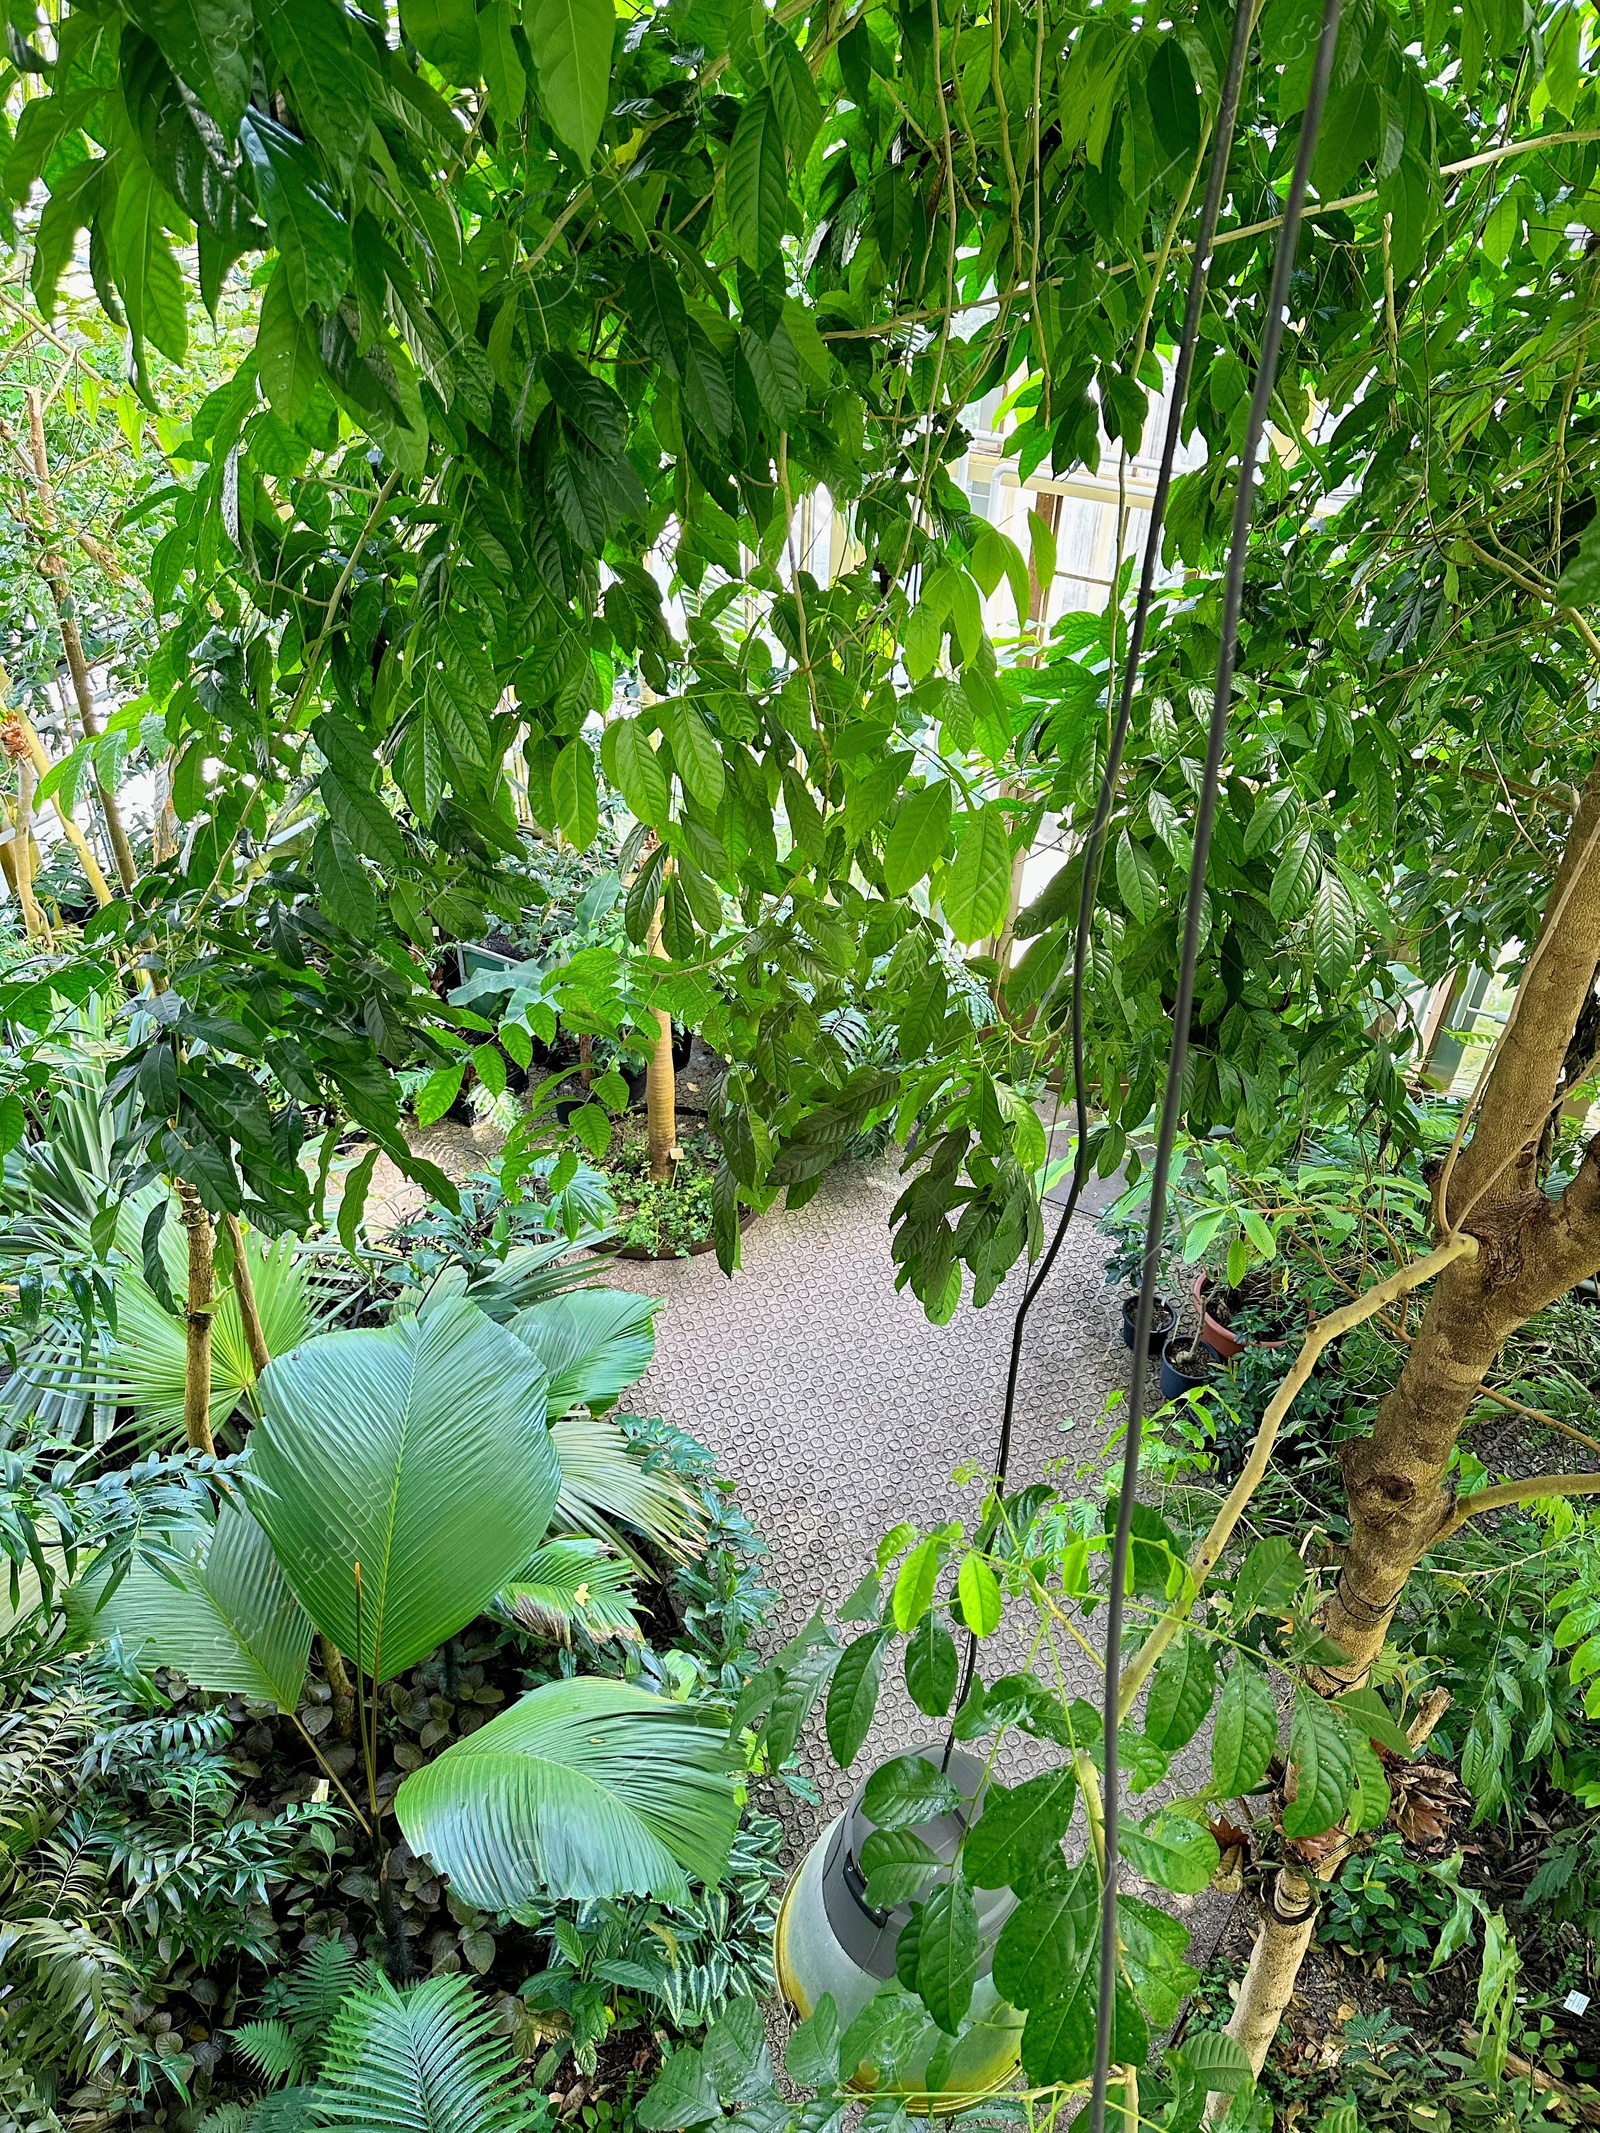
[(593, 1343), (605, 1480), (573, 1581), (404, 1475), (584, 1788)]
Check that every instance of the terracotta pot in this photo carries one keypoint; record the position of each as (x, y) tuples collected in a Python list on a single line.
[(1216, 1334)]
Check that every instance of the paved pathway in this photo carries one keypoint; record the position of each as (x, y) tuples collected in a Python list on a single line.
[(839, 1410)]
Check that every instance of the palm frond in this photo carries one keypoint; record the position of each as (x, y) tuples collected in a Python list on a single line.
[(592, 1343), (270, 2049), (605, 1482), (428, 2059), (573, 1581)]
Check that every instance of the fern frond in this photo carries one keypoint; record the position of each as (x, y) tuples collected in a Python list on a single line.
[(285, 2111), (271, 2049), (426, 2060), (226, 2118), (322, 1983)]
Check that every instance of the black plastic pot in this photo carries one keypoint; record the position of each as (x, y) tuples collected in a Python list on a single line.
[(1175, 1382), (1161, 1325)]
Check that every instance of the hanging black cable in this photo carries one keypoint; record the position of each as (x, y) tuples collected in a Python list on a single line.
[(1094, 844), (1172, 1103)]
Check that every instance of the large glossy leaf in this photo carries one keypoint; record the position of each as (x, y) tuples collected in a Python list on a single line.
[(593, 1344), (585, 1788), (755, 181), (571, 45), (605, 1483), (213, 1603), (419, 1452)]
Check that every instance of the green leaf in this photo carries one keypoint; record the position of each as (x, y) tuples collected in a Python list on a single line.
[(1137, 880), (445, 32), (1579, 584), (1371, 1805), (913, 1587), (694, 750), (977, 889), (1050, 1936), (1372, 1718), (343, 883), (1333, 930), (755, 182), (853, 1695), (420, 1452), (575, 794), (1269, 1580), (585, 1788), (898, 1866), (1021, 1828), (502, 63), (287, 358), (1042, 547), (1058, 2039), (214, 1604), (429, 2058), (574, 1581), (907, 1792), (1274, 811), (1154, 1945), (571, 43), (1181, 1689), (1172, 1852), (794, 94), (682, 2095), (931, 1666), (353, 1200), (310, 233), (592, 1343), (1295, 878), (1217, 2062), (438, 1093), (147, 272), (311, 41), (1321, 1768), (1246, 1731), (948, 1953), (979, 1591), (811, 2057), (207, 45), (917, 837), (635, 769)]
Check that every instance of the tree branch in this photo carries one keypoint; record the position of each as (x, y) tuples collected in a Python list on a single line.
[(1510, 1492)]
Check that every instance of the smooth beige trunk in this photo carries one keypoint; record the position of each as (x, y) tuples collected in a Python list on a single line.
[(197, 1367), (254, 1338)]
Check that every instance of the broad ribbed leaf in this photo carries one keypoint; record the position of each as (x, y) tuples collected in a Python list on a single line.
[(419, 1452), (592, 1343), (948, 1953), (1021, 1829), (853, 1695), (1172, 1852), (755, 181), (1181, 1690), (1322, 1769), (604, 1480), (1048, 1939), (898, 1866), (571, 45), (917, 838), (214, 1605), (584, 1788), (1138, 880), (978, 885), (1246, 1731)]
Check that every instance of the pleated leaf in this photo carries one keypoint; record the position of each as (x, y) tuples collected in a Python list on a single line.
[(593, 1344), (213, 1603), (418, 1451), (604, 1480), (584, 1788)]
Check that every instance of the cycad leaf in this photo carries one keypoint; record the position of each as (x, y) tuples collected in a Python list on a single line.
[(426, 2060), (585, 1788), (593, 1344), (419, 1452), (218, 1610), (603, 1478), (573, 1581)]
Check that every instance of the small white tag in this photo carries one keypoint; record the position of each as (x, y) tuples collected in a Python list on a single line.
[(1576, 2003)]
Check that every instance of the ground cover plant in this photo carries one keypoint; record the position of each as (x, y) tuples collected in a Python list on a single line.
[(476, 562)]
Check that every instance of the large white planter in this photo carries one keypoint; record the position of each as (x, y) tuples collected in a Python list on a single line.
[(827, 1940)]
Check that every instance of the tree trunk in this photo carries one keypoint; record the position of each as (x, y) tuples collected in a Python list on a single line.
[(197, 1369), (661, 1082), (53, 568), (254, 1338), (1530, 1251), (26, 854)]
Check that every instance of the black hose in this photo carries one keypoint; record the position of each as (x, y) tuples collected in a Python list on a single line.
[(1172, 1103), (1094, 844)]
